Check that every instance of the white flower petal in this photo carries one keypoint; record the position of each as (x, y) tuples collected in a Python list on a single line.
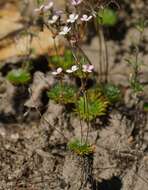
[(87, 68), (76, 2), (39, 9), (74, 68), (65, 30), (69, 71), (54, 19), (59, 70), (72, 18), (48, 6), (54, 73), (86, 17)]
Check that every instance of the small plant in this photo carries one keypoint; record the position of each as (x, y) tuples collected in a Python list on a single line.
[(63, 93), (71, 24), (135, 61), (141, 25), (19, 76), (107, 17), (80, 148), (65, 61), (112, 92), (91, 106), (134, 79)]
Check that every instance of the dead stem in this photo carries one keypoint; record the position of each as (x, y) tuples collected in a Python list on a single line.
[(45, 119)]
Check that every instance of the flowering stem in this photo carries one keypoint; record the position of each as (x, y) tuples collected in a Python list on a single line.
[(55, 46), (99, 33), (81, 88), (83, 53), (87, 111), (106, 61)]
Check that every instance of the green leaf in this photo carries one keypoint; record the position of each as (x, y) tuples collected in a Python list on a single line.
[(19, 76), (107, 17)]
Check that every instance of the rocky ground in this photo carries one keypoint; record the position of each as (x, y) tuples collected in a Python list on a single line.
[(33, 155)]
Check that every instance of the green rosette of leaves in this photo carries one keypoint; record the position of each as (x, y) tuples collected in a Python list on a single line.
[(63, 93), (91, 105), (19, 76), (80, 148)]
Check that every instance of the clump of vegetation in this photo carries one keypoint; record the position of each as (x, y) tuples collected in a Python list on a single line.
[(70, 25), (107, 17), (112, 92), (65, 61), (80, 148), (141, 25), (19, 76), (134, 79), (63, 93), (91, 106)]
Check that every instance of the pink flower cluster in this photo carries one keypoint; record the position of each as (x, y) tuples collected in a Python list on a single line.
[(87, 68), (72, 19), (67, 24), (54, 16)]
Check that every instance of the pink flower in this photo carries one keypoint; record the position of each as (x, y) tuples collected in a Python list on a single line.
[(87, 68), (76, 2), (58, 71), (86, 18)]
